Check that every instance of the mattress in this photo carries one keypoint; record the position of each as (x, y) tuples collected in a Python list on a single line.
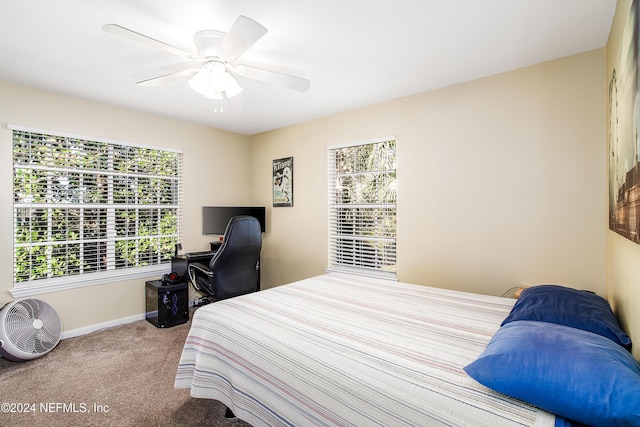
[(342, 350)]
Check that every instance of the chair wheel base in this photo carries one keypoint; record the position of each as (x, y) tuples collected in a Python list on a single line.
[(200, 302)]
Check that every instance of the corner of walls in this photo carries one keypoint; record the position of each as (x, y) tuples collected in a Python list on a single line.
[(623, 285)]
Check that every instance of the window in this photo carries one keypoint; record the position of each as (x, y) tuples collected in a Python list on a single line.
[(362, 207), (86, 212)]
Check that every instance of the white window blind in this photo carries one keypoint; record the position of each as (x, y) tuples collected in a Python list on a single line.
[(362, 207), (89, 208)]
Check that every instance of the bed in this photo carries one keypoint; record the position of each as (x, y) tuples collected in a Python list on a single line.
[(342, 350)]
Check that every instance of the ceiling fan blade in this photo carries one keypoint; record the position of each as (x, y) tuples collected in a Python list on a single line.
[(167, 73), (275, 78), (244, 32), (166, 78), (141, 38)]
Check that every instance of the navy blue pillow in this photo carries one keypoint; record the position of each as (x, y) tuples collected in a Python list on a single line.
[(570, 372), (569, 307)]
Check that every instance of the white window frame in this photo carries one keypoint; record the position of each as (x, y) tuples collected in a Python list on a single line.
[(110, 273), (367, 244)]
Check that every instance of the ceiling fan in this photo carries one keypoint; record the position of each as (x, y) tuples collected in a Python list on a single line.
[(213, 69)]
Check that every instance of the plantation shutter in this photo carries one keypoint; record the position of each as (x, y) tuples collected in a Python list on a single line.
[(362, 207), (88, 208)]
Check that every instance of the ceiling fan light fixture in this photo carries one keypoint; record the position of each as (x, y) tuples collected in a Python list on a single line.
[(213, 81), (233, 88)]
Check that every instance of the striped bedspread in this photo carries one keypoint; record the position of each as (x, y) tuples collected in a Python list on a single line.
[(337, 350)]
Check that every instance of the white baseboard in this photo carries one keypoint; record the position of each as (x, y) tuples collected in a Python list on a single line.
[(98, 326)]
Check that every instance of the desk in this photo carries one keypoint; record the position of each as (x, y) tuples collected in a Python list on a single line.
[(180, 263)]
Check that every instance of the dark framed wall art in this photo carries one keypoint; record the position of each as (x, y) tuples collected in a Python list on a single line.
[(624, 144), (283, 182)]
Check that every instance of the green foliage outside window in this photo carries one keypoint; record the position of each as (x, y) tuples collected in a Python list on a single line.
[(363, 206), (86, 206)]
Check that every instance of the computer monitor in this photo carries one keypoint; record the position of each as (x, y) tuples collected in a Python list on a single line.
[(216, 218)]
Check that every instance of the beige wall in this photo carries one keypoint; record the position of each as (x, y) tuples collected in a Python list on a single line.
[(623, 256), (203, 148), (501, 181)]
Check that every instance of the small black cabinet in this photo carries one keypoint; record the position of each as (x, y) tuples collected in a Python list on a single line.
[(168, 304)]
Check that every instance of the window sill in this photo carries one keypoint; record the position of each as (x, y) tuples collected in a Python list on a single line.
[(81, 281)]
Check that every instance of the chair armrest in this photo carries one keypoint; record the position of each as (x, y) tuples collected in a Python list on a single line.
[(196, 270), (201, 268)]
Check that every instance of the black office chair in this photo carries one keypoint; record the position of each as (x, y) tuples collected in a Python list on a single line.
[(232, 270)]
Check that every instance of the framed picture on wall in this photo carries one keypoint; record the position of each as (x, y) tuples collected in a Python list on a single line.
[(624, 166), (283, 182)]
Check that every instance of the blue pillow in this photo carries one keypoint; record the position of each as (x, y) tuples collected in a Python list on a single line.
[(569, 307), (570, 372)]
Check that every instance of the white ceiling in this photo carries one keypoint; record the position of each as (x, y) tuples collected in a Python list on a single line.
[(355, 52)]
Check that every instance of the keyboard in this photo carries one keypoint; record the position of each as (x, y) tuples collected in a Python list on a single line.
[(199, 254)]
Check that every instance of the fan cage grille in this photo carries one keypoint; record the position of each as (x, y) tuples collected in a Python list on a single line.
[(20, 330)]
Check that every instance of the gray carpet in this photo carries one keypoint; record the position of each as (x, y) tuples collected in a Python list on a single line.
[(122, 376)]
